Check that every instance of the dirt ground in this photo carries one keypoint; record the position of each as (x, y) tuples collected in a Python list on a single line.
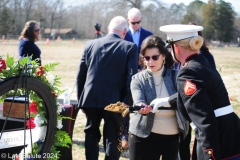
[(68, 55)]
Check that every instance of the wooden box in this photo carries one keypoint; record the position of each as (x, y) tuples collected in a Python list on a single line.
[(18, 107)]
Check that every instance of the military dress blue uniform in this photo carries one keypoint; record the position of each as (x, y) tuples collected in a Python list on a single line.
[(203, 100)]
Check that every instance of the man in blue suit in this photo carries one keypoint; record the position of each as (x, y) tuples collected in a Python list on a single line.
[(104, 76), (135, 34)]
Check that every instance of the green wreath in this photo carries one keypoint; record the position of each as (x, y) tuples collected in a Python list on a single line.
[(37, 117)]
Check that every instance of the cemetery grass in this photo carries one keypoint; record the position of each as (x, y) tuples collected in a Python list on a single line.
[(68, 55)]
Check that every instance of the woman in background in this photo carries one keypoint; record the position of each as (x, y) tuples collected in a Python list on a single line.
[(28, 37)]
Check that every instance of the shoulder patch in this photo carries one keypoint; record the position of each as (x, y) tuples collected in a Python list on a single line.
[(189, 88)]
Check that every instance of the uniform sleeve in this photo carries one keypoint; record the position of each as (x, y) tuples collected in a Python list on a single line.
[(132, 68), (173, 100), (192, 92)]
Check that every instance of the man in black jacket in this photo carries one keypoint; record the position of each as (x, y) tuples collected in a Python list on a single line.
[(104, 76)]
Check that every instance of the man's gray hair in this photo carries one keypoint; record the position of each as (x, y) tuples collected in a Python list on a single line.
[(118, 23), (134, 12)]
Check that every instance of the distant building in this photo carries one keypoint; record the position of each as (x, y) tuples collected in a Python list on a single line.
[(64, 33)]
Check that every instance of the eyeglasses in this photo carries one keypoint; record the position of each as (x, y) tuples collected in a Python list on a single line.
[(133, 23), (36, 30), (154, 57)]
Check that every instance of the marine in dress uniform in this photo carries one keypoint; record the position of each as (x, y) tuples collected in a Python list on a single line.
[(203, 99)]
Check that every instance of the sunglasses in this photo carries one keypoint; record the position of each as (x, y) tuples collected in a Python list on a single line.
[(154, 57), (36, 30), (133, 23)]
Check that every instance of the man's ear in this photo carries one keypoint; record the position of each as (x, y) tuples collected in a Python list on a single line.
[(124, 33)]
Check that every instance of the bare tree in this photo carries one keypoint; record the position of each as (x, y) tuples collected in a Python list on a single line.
[(136, 3), (178, 11), (237, 31), (54, 6), (82, 17), (28, 7)]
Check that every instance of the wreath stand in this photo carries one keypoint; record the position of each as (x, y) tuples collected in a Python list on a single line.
[(8, 125)]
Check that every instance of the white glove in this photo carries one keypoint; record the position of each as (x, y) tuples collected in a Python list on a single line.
[(159, 102)]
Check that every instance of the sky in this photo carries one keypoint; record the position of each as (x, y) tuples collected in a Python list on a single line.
[(235, 3)]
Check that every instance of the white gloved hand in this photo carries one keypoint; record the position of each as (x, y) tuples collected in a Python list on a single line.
[(159, 102)]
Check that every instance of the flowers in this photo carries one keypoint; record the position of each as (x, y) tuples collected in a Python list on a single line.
[(38, 120), (59, 124), (30, 123), (33, 107), (60, 108), (50, 77), (40, 71), (37, 107)]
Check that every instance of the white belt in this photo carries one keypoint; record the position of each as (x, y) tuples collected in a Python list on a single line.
[(218, 112), (223, 111), (193, 126)]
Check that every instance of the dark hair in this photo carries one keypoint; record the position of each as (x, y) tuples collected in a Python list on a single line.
[(156, 42), (28, 31), (204, 46)]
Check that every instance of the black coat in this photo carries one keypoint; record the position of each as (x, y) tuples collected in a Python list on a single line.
[(105, 72), (201, 91), (209, 57)]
